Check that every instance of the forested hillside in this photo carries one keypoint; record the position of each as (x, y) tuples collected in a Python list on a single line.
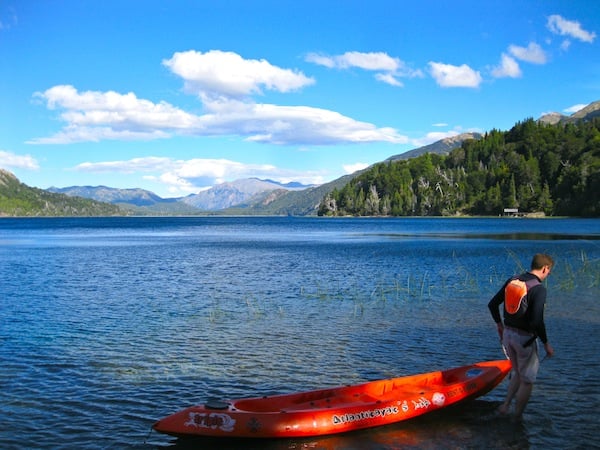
[(535, 167), (18, 199)]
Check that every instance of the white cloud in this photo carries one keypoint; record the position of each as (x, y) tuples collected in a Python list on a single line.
[(369, 61), (194, 175), (217, 73), (508, 68), (565, 45), (573, 109), (447, 75), (432, 137), (94, 116), (533, 53), (306, 125), (561, 26), (221, 169), (321, 60), (389, 78), (146, 164), (176, 185), (351, 168), (389, 69), (12, 160)]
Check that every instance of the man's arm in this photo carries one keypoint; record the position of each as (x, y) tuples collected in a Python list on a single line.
[(537, 302), (538, 326), (494, 306)]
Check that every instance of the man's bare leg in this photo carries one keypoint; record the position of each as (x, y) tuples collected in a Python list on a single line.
[(523, 395), (513, 388)]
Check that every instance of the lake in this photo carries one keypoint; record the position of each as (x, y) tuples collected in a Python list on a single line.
[(108, 324)]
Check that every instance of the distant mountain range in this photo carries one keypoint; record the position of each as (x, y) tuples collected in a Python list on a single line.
[(254, 196), (138, 201), (589, 112), (226, 195), (240, 193), (246, 196)]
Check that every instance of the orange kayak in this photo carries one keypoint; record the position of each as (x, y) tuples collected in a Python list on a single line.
[(339, 409)]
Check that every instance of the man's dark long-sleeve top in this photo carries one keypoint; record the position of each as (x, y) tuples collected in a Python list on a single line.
[(533, 320)]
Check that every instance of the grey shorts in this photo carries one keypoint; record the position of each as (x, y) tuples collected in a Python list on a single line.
[(525, 360)]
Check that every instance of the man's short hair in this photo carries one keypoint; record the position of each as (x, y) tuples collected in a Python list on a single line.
[(540, 260)]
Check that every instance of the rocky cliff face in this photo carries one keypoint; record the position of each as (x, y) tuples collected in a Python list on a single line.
[(6, 178)]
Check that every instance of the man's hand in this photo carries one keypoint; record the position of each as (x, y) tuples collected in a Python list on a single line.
[(549, 350)]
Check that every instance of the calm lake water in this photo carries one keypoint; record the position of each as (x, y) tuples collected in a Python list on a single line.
[(107, 325)]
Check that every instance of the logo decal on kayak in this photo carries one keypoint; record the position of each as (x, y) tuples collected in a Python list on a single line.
[(211, 420), (364, 415), (462, 391), (438, 399), (421, 403)]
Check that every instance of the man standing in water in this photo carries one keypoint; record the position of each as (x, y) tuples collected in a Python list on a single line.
[(524, 298)]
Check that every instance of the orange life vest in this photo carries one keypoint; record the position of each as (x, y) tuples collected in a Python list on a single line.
[(515, 296)]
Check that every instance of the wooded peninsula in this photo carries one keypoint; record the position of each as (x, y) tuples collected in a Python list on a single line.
[(534, 167)]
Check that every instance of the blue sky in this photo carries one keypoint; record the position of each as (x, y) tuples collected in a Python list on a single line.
[(176, 96)]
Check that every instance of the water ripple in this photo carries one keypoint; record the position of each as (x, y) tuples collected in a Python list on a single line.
[(106, 329)]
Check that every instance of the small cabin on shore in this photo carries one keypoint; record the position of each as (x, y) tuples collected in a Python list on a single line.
[(513, 212)]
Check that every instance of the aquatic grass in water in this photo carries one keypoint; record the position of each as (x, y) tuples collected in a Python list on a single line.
[(575, 272), (414, 287), (456, 281)]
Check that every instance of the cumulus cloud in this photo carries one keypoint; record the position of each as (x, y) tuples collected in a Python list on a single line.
[(508, 68), (533, 53), (389, 69), (447, 75), (95, 116), (223, 82), (14, 161), (571, 28), (194, 175), (217, 73)]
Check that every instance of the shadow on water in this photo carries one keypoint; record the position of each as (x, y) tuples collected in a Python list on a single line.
[(472, 425)]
